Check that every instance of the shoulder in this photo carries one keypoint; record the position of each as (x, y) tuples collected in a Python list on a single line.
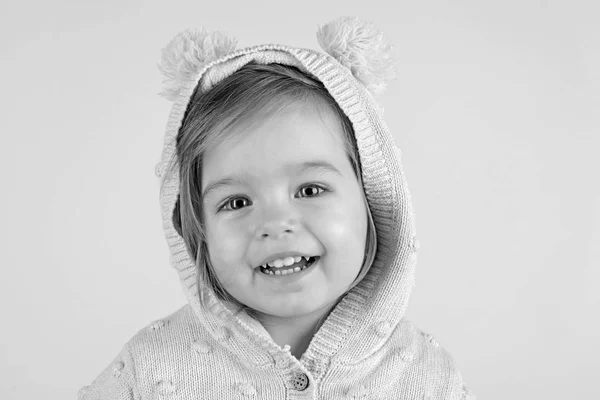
[(148, 362), (177, 330), (428, 360), (423, 346), (169, 349), (168, 343)]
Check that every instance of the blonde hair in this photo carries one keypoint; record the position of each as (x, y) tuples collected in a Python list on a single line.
[(209, 115)]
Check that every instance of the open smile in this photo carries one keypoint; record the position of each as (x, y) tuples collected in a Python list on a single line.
[(291, 269)]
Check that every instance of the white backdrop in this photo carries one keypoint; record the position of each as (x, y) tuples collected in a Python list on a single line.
[(495, 108)]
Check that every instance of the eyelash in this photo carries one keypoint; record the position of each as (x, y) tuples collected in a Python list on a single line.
[(226, 203)]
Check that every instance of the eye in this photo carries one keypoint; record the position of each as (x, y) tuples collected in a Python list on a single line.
[(234, 203), (311, 190)]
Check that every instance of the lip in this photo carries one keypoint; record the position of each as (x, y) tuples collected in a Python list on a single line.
[(284, 254)]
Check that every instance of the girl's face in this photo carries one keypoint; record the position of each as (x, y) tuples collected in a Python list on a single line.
[(284, 184)]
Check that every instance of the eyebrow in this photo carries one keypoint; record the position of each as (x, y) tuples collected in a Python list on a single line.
[(316, 165)]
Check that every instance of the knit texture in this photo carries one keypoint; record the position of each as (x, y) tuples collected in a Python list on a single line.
[(364, 349)]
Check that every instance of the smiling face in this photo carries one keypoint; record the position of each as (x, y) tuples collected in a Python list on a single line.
[(284, 183)]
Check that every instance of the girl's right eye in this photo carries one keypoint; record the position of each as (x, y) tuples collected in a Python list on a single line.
[(233, 204)]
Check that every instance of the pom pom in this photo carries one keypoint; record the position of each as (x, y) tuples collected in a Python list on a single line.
[(185, 56), (361, 48)]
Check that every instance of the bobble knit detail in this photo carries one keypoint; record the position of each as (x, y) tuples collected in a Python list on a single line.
[(431, 340), (202, 347), (247, 389), (165, 388), (118, 369), (414, 244), (406, 356), (156, 325), (82, 392), (360, 392), (281, 362), (383, 329), (223, 334), (465, 393)]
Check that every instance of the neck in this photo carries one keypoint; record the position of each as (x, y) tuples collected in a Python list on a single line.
[(296, 331)]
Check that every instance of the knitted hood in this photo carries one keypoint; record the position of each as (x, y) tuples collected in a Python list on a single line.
[(355, 65)]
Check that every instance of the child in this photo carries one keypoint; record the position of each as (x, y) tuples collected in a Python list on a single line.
[(289, 222)]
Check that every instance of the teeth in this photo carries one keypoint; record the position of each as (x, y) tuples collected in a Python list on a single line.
[(276, 263), (281, 262), (288, 261), (266, 271)]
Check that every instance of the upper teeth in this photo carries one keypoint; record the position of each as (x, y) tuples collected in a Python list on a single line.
[(281, 262)]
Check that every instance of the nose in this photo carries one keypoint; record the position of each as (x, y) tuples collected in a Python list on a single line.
[(278, 221)]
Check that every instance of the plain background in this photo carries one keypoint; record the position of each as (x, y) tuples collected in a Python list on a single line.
[(495, 108)]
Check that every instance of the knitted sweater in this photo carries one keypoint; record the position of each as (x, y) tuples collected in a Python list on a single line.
[(364, 349)]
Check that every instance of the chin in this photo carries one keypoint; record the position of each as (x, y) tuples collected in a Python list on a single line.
[(288, 311)]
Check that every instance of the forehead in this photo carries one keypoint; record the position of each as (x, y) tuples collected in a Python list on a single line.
[(270, 141)]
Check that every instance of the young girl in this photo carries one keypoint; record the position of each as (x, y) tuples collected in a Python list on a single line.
[(290, 225)]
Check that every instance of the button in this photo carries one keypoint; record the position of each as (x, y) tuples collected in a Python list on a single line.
[(158, 170), (300, 381)]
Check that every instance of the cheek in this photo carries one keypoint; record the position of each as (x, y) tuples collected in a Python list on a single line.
[(344, 225), (225, 247)]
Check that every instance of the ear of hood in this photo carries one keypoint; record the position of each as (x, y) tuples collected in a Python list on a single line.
[(186, 54)]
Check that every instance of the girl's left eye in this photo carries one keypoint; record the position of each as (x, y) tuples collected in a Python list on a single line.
[(314, 190)]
